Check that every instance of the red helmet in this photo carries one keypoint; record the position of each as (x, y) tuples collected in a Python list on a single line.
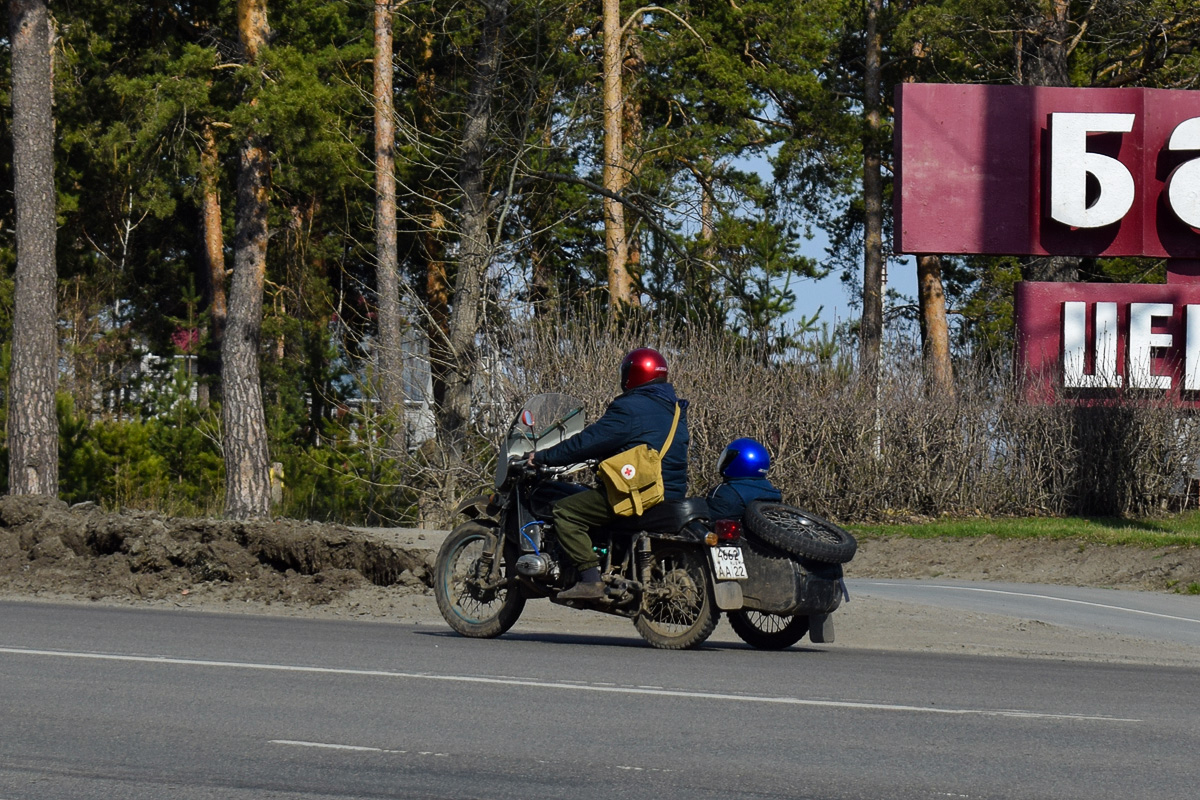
[(643, 366)]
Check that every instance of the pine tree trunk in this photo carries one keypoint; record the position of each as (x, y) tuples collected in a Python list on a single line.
[(931, 299), (433, 240), (698, 283), (632, 127), (1042, 52), (615, 173), (247, 484), (437, 298), (214, 263), (387, 274), (32, 423), (475, 244), (935, 330), (871, 335)]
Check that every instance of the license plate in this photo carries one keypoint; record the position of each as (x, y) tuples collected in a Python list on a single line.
[(728, 563)]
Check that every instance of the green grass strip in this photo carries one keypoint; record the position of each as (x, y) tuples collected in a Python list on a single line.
[(1179, 530)]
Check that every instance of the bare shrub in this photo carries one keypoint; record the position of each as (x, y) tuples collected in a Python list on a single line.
[(840, 451)]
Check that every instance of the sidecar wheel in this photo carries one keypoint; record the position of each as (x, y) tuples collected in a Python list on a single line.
[(469, 609), (800, 533), (768, 631), (678, 611)]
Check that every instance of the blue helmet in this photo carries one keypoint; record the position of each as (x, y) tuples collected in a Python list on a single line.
[(744, 458)]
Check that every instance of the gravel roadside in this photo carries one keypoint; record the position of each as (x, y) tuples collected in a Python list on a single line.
[(51, 553)]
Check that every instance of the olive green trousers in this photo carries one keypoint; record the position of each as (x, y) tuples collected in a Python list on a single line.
[(574, 517)]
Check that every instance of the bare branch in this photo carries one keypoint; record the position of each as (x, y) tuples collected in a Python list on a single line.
[(667, 236)]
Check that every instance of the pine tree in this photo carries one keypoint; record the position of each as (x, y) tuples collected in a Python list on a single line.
[(33, 377), (390, 360), (247, 492)]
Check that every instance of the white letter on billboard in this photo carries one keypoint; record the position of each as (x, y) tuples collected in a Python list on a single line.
[(1191, 359), (1183, 187), (1142, 342), (1104, 376), (1070, 163)]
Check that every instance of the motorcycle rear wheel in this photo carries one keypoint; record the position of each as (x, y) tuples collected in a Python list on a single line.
[(678, 611), (768, 631), (469, 609)]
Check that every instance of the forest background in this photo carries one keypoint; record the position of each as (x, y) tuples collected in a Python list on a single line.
[(305, 257)]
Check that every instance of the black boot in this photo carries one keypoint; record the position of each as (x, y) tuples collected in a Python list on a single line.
[(583, 591), (589, 587)]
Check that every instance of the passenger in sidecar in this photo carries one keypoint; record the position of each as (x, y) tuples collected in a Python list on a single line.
[(785, 594), (743, 467)]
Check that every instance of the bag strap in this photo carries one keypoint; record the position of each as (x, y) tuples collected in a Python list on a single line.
[(671, 436)]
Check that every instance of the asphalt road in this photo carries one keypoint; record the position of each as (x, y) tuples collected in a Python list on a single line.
[(121, 703)]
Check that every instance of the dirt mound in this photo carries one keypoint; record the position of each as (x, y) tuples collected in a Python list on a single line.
[(48, 548), (53, 551)]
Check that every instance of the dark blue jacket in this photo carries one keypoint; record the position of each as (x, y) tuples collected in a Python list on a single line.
[(728, 500), (639, 416)]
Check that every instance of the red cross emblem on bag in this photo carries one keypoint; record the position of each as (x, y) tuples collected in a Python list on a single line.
[(628, 471)]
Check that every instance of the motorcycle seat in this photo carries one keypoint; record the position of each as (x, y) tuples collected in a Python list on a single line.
[(667, 517)]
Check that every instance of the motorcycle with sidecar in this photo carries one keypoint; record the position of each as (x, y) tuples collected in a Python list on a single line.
[(672, 570)]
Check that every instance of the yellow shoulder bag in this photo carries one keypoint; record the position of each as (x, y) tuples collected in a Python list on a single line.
[(634, 479)]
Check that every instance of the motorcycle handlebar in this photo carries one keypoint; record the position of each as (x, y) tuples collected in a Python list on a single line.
[(522, 464)]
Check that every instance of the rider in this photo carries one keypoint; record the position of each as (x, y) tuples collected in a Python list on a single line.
[(743, 468), (641, 414)]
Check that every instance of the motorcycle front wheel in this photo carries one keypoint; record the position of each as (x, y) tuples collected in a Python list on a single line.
[(678, 611), (768, 631), (467, 604)]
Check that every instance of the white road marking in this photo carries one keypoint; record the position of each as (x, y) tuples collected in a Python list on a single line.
[(332, 746), (1037, 597), (328, 746), (571, 686)]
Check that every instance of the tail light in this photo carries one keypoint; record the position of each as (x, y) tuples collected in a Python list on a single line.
[(724, 530)]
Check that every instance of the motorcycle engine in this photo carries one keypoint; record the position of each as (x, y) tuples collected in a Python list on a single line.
[(537, 565)]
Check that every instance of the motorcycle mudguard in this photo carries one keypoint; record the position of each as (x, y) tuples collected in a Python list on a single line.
[(481, 505), (820, 628), (728, 595)]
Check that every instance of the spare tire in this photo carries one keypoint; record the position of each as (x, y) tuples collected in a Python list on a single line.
[(800, 533)]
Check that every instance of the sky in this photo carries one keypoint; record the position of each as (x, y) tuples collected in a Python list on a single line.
[(831, 293)]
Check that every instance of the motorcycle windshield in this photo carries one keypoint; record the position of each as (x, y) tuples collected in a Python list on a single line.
[(544, 421)]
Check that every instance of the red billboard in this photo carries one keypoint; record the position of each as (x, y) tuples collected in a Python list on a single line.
[(1031, 170), (1093, 341), (1028, 170)]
